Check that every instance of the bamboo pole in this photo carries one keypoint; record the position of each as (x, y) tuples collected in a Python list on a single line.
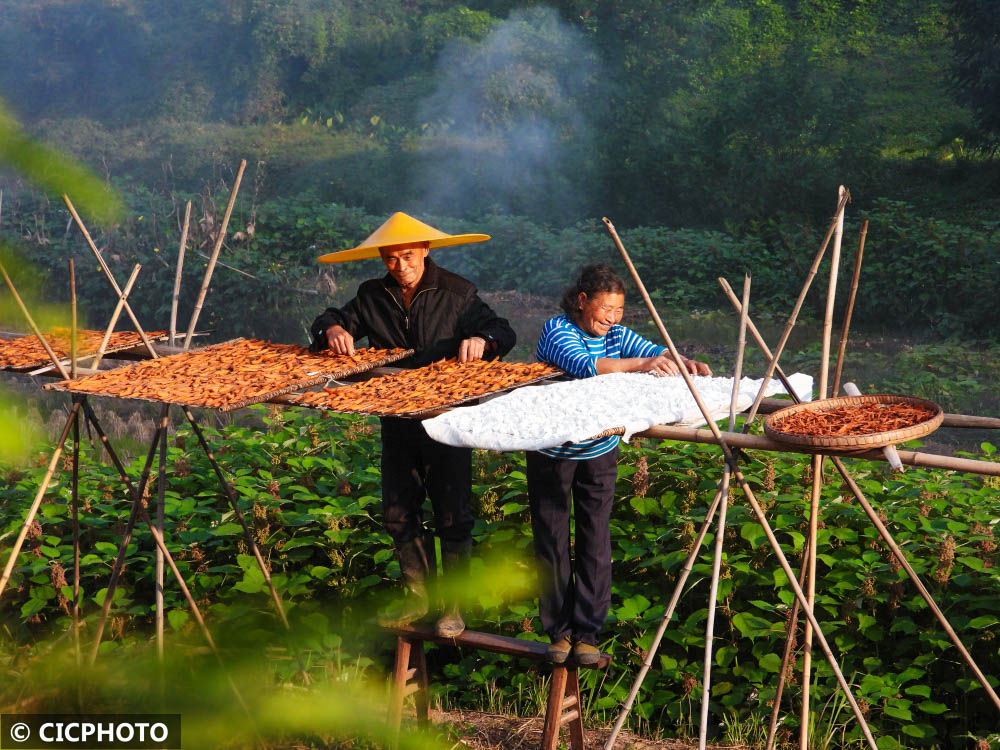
[(122, 301), (180, 270), (817, 474), (19, 542), (161, 492), (119, 564), (786, 657), (74, 508), (215, 255), (795, 311), (31, 322), (72, 319), (713, 592), (850, 308), (107, 272), (234, 504), (730, 457)]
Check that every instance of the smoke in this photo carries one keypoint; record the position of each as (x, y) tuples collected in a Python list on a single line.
[(506, 129)]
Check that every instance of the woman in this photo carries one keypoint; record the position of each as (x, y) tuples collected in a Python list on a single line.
[(585, 341)]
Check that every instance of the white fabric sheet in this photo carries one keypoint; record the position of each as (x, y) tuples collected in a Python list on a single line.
[(538, 417)]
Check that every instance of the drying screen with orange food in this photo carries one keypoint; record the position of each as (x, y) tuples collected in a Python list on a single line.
[(439, 384), (861, 419), (27, 351), (227, 374)]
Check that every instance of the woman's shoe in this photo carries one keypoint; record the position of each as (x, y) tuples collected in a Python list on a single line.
[(558, 651), (585, 654)]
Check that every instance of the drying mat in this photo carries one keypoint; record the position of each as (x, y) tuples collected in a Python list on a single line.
[(578, 410), (875, 409), (228, 375), (27, 352), (440, 385)]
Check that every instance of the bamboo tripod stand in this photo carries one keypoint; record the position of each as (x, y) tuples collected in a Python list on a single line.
[(82, 410), (804, 599)]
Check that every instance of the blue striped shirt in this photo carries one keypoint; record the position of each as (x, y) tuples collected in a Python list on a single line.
[(565, 345)]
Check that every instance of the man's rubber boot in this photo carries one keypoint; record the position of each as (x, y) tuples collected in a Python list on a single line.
[(455, 561), (413, 563)]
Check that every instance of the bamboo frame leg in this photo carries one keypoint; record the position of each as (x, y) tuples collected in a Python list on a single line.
[(56, 454), (122, 301), (804, 604), (74, 508), (234, 504), (888, 539), (179, 274), (807, 636), (713, 594), (720, 536), (161, 545), (161, 487), (647, 663), (793, 622), (119, 564)]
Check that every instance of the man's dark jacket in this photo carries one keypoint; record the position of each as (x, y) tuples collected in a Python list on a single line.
[(444, 310)]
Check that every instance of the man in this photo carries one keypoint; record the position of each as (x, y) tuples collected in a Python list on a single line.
[(418, 305)]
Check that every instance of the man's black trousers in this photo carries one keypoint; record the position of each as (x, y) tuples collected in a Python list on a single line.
[(415, 467), (575, 594)]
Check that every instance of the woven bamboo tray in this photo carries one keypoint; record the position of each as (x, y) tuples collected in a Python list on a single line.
[(148, 378), (125, 340), (387, 409), (854, 442)]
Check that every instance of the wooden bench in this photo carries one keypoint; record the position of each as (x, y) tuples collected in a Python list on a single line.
[(410, 678)]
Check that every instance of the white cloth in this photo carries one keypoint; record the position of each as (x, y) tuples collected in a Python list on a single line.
[(537, 417)]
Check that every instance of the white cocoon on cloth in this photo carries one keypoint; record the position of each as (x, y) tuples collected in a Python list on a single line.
[(536, 417)]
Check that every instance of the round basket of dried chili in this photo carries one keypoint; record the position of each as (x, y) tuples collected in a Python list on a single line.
[(855, 422)]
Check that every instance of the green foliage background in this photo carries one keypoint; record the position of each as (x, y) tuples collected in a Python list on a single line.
[(310, 489)]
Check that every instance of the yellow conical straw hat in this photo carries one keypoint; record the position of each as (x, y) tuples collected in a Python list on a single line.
[(400, 229)]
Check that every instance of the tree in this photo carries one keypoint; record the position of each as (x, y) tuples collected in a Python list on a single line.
[(977, 70)]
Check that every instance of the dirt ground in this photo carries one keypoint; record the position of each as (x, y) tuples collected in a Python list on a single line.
[(483, 731)]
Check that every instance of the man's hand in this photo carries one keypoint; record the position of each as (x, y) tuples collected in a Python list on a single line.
[(471, 349), (339, 340)]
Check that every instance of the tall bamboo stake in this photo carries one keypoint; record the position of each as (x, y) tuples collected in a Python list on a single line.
[(107, 272), (74, 507), (706, 683), (31, 322), (215, 255), (72, 319), (180, 270), (122, 301), (730, 457), (817, 474), (19, 542), (850, 308)]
